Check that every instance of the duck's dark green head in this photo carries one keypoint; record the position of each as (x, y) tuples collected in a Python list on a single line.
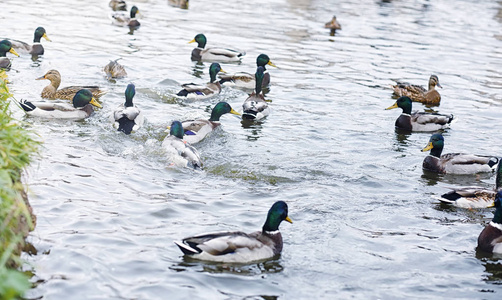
[(220, 109), (260, 73), (436, 144), (277, 213), (404, 103), (84, 97), (129, 94), (176, 129), (6, 46), (262, 60), (200, 39), (134, 11), (498, 205), (214, 69), (40, 33)]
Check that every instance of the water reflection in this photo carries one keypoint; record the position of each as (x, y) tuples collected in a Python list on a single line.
[(198, 69), (254, 129), (266, 267), (493, 266)]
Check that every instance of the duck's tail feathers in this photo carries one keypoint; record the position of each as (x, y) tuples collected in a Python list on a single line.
[(493, 161), (444, 200), (186, 249), (27, 105)]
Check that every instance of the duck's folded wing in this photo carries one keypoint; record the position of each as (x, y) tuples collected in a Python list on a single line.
[(223, 52), (428, 118), (466, 159), (222, 243)]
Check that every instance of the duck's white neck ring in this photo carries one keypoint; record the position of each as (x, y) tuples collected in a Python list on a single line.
[(496, 225), (272, 232)]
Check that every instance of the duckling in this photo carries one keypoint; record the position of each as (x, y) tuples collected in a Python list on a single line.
[(37, 48), (255, 107), (473, 196), (203, 91), (179, 3), (418, 93), (114, 70), (6, 46), (240, 247), (490, 239), (247, 80), (187, 155), (127, 117), (214, 54), (455, 163), (419, 121), (196, 130), (80, 109), (333, 25), (120, 19), (118, 5), (52, 92)]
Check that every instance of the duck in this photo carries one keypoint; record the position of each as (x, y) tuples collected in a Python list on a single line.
[(221, 55), (247, 80), (179, 3), (67, 93), (419, 121), (114, 70), (418, 93), (185, 154), (37, 48), (120, 19), (490, 238), (455, 163), (333, 25), (80, 108), (237, 246), (203, 91), (127, 117), (6, 46), (197, 130), (118, 5), (255, 107), (473, 196)]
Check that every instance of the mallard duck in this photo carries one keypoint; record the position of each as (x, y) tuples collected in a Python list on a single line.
[(418, 93), (240, 247), (80, 108), (419, 121), (255, 107), (196, 130), (455, 163), (179, 3), (490, 239), (120, 19), (114, 70), (36, 48), (184, 154), (6, 46), (118, 5), (127, 117), (203, 91), (213, 54), (333, 25), (247, 80), (52, 92)]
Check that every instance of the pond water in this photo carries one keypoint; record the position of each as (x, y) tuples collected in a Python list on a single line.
[(364, 226)]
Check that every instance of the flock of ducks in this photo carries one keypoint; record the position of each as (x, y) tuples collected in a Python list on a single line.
[(267, 243)]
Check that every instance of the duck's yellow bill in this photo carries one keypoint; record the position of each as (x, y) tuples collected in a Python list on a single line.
[(13, 52), (95, 103), (46, 37), (192, 41), (428, 147), (392, 106), (232, 111), (223, 71), (288, 220), (271, 64)]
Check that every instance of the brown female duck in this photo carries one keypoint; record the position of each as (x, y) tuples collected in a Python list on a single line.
[(52, 92), (418, 93)]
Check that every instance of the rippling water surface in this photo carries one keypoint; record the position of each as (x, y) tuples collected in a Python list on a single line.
[(365, 226)]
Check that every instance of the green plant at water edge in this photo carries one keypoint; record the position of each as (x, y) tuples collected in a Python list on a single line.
[(16, 150)]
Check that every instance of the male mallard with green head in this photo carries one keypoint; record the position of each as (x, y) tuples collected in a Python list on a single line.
[(255, 107), (203, 91), (247, 80), (127, 117), (6, 46), (418, 93), (121, 19), (182, 153), (37, 48), (240, 247), (490, 239), (213, 54), (419, 121), (52, 92), (80, 108), (455, 163)]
